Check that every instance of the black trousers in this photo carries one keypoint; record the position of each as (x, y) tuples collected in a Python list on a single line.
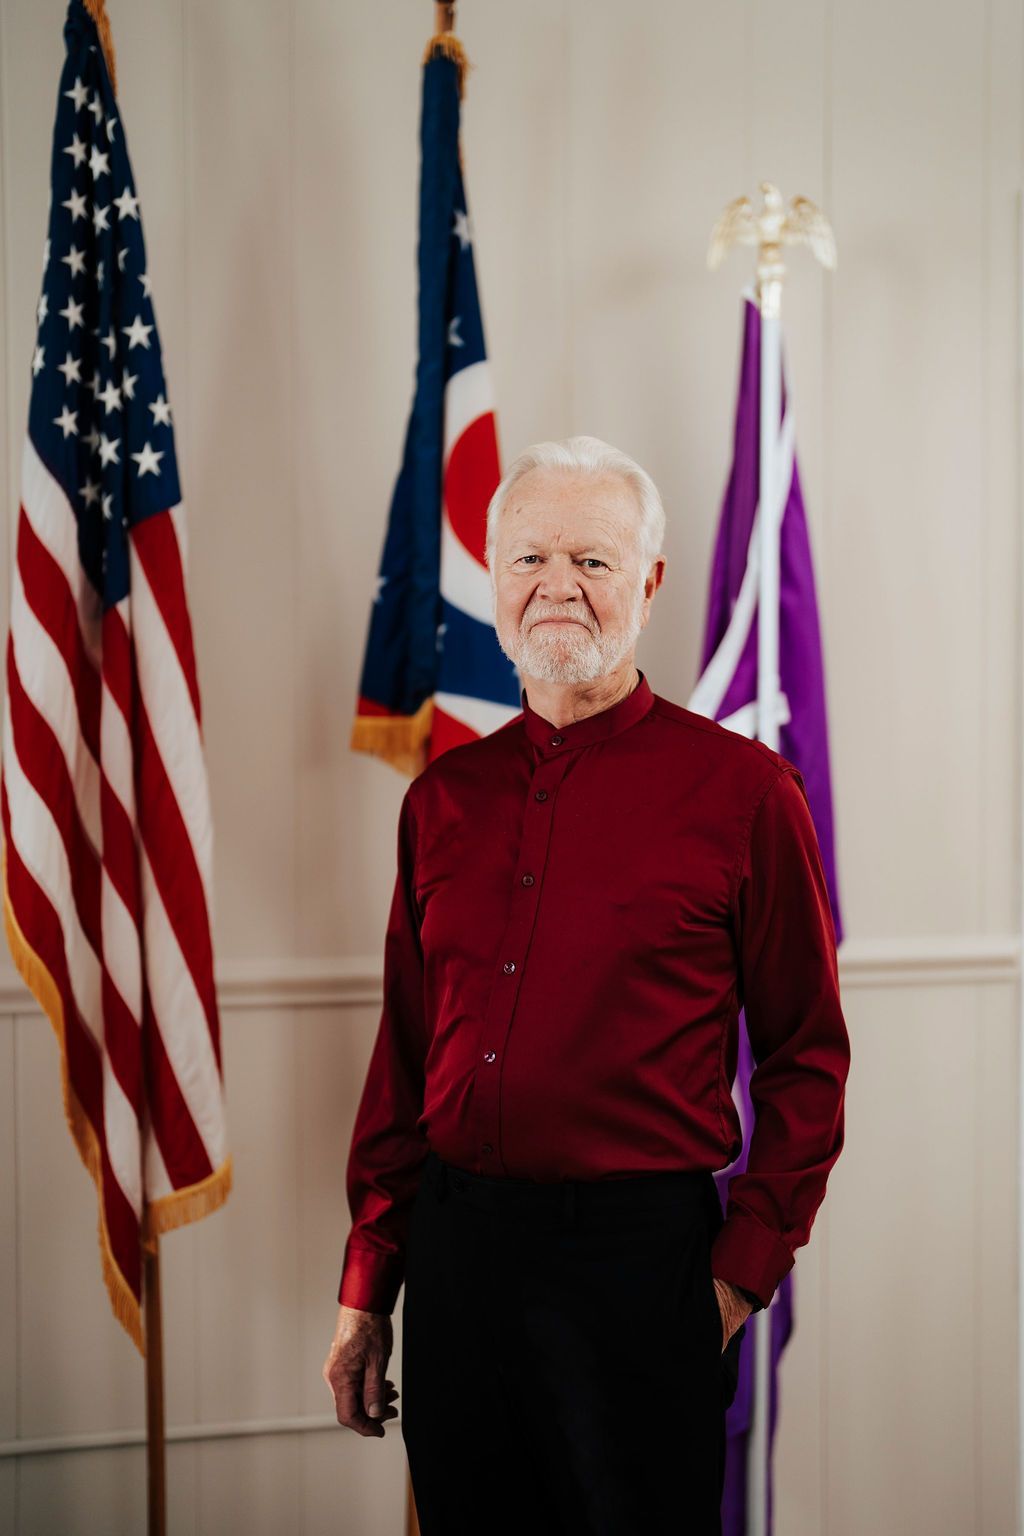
[(562, 1363)]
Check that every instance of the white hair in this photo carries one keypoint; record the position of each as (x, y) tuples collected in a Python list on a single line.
[(588, 456)]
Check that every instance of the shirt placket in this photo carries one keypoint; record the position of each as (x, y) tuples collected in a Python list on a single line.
[(513, 951)]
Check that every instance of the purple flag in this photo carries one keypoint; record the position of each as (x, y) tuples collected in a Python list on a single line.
[(727, 692)]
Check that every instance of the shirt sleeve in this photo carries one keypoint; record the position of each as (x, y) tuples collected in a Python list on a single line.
[(387, 1150), (789, 989)]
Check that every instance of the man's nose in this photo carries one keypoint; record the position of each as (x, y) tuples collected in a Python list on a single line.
[(559, 582)]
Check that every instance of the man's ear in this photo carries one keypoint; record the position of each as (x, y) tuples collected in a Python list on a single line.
[(654, 578)]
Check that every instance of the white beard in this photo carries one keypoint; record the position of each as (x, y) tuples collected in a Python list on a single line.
[(570, 653)]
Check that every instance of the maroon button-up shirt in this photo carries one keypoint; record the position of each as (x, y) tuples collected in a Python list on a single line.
[(579, 914)]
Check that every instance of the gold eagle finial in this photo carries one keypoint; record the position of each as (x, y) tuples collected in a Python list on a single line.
[(775, 226)]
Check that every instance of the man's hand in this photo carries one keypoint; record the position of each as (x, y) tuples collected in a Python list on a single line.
[(734, 1307), (354, 1370)]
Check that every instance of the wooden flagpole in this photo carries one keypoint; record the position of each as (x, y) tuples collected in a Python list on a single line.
[(444, 21), (156, 1461)]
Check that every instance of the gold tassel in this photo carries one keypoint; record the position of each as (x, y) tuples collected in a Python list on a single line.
[(98, 11), (400, 741), (447, 46)]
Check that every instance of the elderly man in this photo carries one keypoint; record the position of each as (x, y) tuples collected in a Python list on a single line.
[(585, 899)]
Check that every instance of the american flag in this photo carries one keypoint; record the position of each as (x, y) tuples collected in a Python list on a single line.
[(107, 840), (433, 673)]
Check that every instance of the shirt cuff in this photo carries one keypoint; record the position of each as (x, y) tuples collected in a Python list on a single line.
[(370, 1281), (750, 1256)]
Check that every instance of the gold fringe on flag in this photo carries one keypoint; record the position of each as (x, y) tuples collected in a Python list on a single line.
[(45, 990), (163, 1215), (446, 45), (184, 1205), (98, 11), (400, 741)]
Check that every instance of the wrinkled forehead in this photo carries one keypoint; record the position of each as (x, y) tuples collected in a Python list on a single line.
[(566, 509)]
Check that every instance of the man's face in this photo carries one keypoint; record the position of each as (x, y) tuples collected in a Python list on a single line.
[(570, 597)]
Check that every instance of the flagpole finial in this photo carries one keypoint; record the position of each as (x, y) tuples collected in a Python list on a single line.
[(445, 44), (98, 11), (771, 229)]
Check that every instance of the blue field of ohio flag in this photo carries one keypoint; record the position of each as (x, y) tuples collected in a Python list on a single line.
[(433, 673)]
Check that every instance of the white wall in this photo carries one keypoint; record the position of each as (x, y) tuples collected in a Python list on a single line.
[(275, 149)]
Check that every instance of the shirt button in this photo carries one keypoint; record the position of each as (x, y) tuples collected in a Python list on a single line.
[(541, 794), (486, 1147), (488, 1055), (556, 741), (509, 967), (527, 879)]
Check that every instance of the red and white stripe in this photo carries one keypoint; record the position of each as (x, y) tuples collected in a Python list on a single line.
[(107, 845)]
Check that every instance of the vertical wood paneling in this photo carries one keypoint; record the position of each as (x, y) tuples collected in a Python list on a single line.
[(1000, 787), (241, 499), (81, 1495), (902, 1331), (248, 1319), (353, 1485), (521, 199), (352, 197), (909, 134), (248, 1486), (79, 1370), (9, 1474), (997, 1425)]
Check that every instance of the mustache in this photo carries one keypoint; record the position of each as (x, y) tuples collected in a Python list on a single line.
[(539, 618)]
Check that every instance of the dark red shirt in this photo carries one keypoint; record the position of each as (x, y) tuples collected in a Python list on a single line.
[(579, 914)]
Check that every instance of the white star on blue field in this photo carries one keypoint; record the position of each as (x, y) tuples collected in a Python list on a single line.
[(99, 417)]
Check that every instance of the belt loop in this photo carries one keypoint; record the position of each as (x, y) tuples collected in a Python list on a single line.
[(441, 1181), (569, 1203)]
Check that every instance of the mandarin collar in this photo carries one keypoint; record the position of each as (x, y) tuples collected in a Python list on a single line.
[(583, 733)]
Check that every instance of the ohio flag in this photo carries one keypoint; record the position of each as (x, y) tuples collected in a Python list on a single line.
[(433, 672)]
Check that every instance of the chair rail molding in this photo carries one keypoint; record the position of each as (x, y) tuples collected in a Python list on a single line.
[(355, 981)]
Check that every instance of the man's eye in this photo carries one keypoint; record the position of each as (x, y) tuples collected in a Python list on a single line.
[(587, 559)]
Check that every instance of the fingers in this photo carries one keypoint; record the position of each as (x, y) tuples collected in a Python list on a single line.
[(350, 1412), (354, 1372), (373, 1391), (377, 1400), (357, 1392)]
